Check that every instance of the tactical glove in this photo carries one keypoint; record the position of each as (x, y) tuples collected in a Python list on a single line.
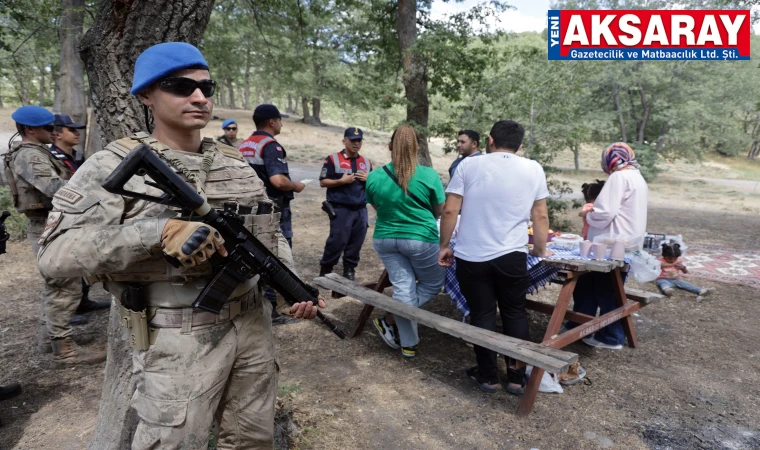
[(191, 243)]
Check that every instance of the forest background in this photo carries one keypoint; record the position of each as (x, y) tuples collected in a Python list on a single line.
[(380, 63)]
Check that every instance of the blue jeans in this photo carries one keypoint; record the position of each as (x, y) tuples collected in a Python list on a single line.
[(665, 283), (416, 277), (594, 290)]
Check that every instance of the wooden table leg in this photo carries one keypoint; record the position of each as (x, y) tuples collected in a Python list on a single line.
[(619, 288), (382, 283), (555, 323)]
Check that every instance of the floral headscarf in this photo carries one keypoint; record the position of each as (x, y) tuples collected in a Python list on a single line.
[(617, 157)]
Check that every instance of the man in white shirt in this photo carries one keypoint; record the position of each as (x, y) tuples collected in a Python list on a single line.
[(497, 193)]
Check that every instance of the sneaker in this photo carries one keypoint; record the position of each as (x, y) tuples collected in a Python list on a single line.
[(387, 332), (669, 291), (706, 291), (409, 352), (594, 343)]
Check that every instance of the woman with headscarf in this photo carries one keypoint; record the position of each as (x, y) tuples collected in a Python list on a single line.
[(619, 210), (408, 198)]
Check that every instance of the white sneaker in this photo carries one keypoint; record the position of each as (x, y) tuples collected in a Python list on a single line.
[(594, 343), (387, 332), (706, 291)]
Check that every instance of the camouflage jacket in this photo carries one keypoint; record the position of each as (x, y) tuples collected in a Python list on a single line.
[(115, 239), (37, 175)]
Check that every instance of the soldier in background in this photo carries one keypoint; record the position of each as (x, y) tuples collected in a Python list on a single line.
[(344, 174), (65, 138), (34, 175), (270, 161), (199, 368), (229, 137)]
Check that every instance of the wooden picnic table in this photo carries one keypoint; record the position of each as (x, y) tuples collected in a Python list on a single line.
[(629, 301)]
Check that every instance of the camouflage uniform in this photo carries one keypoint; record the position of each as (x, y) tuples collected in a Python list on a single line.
[(37, 175), (225, 140), (200, 366)]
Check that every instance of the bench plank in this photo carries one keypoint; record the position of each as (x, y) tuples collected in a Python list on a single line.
[(552, 360), (643, 296)]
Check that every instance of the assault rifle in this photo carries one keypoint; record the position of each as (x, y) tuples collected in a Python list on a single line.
[(247, 256)]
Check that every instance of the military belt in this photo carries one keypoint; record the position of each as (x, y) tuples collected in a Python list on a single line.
[(189, 318)]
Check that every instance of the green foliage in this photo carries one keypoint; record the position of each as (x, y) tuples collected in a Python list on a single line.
[(648, 159), (16, 223)]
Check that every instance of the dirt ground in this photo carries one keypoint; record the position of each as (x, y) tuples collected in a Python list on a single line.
[(691, 384)]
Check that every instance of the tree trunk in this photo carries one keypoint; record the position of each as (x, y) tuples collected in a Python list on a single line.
[(621, 121), (314, 119), (295, 105), (247, 88), (663, 136), (290, 104), (415, 77), (305, 106), (21, 87), (645, 116), (576, 155), (220, 96), (120, 32), (231, 94), (1, 102), (70, 83), (41, 94)]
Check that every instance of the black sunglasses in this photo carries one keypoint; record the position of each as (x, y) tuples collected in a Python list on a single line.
[(230, 129), (185, 87), (48, 128)]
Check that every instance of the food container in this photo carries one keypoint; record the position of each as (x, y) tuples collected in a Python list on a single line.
[(566, 242), (631, 243)]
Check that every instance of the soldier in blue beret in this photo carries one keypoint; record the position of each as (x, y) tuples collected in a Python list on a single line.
[(229, 137), (35, 174), (192, 366)]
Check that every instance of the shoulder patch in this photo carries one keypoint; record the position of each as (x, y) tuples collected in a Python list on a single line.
[(69, 195), (231, 152)]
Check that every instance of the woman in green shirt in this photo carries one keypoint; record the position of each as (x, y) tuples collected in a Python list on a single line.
[(408, 198)]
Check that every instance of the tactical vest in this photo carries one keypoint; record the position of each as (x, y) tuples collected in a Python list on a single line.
[(26, 198), (343, 165), (226, 182), (252, 147)]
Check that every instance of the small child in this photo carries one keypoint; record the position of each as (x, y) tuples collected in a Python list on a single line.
[(671, 264), (590, 193)]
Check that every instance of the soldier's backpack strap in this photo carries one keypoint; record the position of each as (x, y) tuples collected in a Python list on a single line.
[(122, 147), (229, 151), (10, 176)]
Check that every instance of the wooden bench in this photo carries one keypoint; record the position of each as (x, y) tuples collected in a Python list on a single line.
[(540, 356)]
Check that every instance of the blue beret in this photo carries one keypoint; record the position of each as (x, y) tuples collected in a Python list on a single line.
[(162, 60), (228, 122), (33, 116)]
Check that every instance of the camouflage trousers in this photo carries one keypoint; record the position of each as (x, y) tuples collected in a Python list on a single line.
[(60, 297), (223, 373)]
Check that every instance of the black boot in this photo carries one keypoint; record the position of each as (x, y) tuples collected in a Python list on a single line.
[(9, 391), (324, 270), (87, 305), (78, 320), (349, 272)]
